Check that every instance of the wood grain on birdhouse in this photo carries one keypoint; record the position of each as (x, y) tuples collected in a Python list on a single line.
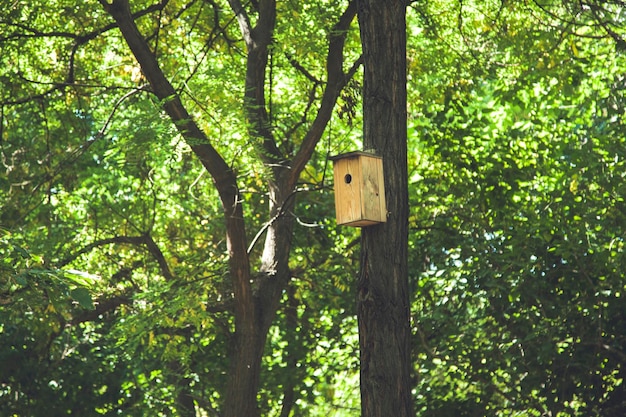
[(359, 189)]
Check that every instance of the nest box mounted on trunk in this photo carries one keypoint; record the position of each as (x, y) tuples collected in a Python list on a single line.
[(359, 189)]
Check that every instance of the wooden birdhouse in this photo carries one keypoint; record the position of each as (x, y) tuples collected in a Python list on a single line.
[(359, 189)]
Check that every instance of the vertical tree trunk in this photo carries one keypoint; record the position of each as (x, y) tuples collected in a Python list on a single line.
[(185, 406), (382, 289), (252, 327)]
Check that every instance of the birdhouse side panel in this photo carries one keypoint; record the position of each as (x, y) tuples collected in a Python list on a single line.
[(373, 203), (348, 196)]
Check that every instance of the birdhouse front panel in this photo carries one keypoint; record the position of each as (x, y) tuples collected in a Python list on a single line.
[(359, 189)]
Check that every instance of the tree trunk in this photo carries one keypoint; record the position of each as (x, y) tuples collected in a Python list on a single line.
[(252, 329), (382, 288), (185, 406)]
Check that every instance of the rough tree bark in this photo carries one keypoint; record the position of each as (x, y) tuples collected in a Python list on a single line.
[(256, 295), (382, 289)]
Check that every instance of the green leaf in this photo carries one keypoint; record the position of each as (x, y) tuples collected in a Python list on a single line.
[(21, 279), (21, 251), (83, 297), (80, 278)]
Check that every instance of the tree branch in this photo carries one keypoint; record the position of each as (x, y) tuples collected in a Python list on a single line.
[(244, 22), (170, 100), (258, 40), (223, 176), (79, 40), (619, 40), (130, 240), (102, 307), (143, 240), (280, 212), (336, 80)]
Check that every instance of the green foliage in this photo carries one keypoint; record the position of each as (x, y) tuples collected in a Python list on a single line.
[(115, 295), (518, 229), (127, 309), (26, 280)]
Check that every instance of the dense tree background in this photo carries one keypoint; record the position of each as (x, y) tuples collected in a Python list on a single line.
[(118, 287)]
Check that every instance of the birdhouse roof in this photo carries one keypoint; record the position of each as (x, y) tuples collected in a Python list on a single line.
[(354, 154)]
